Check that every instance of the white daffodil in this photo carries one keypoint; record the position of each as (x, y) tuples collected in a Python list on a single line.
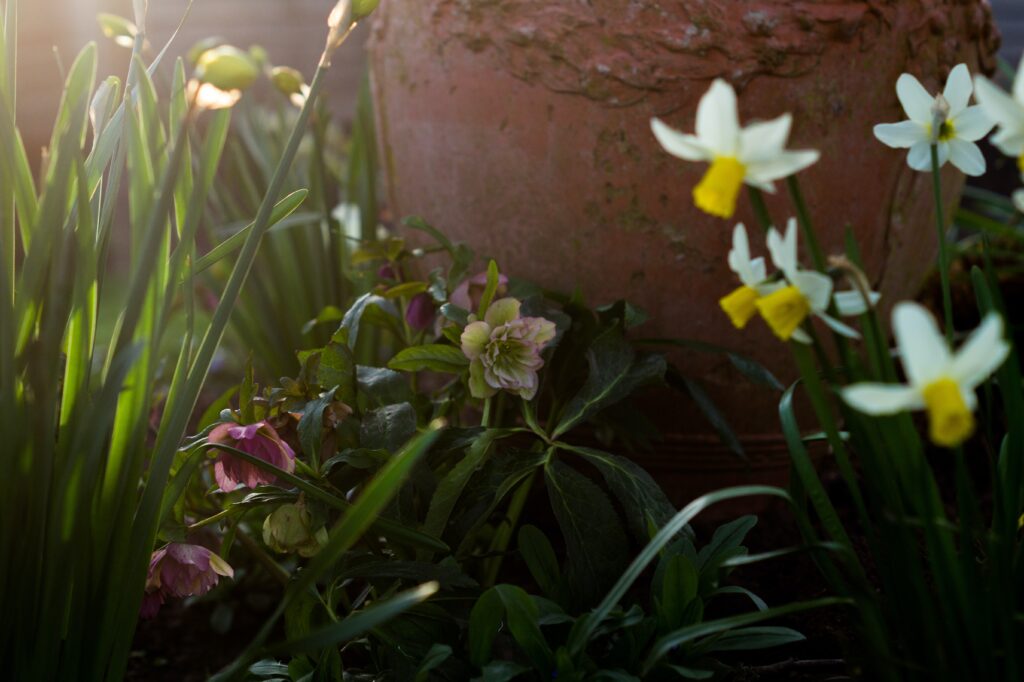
[(740, 305), (944, 120), (939, 381), (755, 155), (1007, 111), (808, 293), (1018, 200)]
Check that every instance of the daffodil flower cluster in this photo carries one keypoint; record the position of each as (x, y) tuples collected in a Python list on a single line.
[(788, 299), (754, 155)]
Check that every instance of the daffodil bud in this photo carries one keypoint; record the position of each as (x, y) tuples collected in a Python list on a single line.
[(363, 8), (227, 68), (286, 79), (339, 23), (118, 29), (197, 49)]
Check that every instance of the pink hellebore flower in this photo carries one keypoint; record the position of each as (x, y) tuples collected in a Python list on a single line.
[(259, 440), (504, 350), (181, 570), (468, 294)]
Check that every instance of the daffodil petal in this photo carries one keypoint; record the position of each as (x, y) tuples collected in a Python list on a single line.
[(958, 89), (783, 248), (981, 354), (687, 147), (765, 139), (923, 350), (1018, 200), (901, 135), (967, 157), (1018, 82), (914, 98), (783, 165), (920, 156), (1000, 106), (879, 399), (838, 327), (800, 336), (851, 303), (816, 288), (718, 123), (972, 124)]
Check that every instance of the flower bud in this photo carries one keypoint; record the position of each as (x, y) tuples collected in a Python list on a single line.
[(286, 79), (363, 8), (227, 68), (197, 49), (288, 529)]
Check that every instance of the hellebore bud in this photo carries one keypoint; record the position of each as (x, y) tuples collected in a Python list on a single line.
[(288, 529)]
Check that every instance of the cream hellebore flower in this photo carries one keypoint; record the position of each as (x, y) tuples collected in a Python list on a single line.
[(939, 381), (944, 120), (504, 350), (755, 155), (808, 293), (1007, 111), (740, 305)]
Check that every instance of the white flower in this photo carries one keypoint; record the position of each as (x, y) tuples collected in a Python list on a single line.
[(754, 155), (808, 293), (740, 304), (939, 381), (1007, 111), (1018, 200), (944, 120)]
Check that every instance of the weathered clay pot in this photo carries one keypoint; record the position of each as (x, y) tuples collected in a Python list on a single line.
[(522, 128)]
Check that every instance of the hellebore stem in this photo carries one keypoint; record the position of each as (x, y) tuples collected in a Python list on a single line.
[(503, 534)]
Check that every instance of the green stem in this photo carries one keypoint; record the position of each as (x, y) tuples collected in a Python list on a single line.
[(760, 208), (503, 535), (485, 421), (803, 216), (940, 223), (210, 520)]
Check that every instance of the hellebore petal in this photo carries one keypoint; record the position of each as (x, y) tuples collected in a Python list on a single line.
[(478, 386), (502, 311), (475, 338)]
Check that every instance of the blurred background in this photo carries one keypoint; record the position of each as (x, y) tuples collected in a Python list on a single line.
[(292, 31), (51, 32)]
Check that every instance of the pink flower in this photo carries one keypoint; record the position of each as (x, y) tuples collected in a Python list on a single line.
[(504, 350), (468, 294), (181, 570), (259, 440)]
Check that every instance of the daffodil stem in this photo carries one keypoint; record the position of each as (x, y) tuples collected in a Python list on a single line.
[(804, 216), (760, 208), (940, 223)]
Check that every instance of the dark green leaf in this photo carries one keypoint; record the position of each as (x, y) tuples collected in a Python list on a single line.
[(383, 386), (311, 427), (484, 623), (759, 637), (615, 372), (596, 544), (435, 357), (540, 560), (727, 538), (438, 654), (388, 427)]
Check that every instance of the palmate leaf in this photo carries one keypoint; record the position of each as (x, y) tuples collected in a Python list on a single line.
[(615, 372), (641, 496), (596, 544)]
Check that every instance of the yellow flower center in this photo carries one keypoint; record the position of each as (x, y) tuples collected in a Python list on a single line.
[(947, 131), (950, 422), (784, 310), (716, 194), (740, 305)]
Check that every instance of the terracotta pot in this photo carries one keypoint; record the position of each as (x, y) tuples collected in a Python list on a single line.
[(522, 128)]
